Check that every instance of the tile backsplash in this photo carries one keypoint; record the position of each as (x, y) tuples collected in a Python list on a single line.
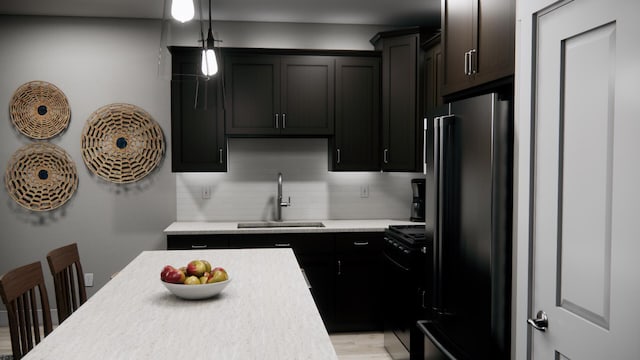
[(248, 190)]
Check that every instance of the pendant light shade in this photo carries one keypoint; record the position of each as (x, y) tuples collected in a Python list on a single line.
[(182, 10), (209, 61)]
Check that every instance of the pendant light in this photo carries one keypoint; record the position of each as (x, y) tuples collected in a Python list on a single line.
[(209, 62), (182, 10)]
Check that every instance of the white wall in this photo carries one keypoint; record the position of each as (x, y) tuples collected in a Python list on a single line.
[(94, 62), (100, 61)]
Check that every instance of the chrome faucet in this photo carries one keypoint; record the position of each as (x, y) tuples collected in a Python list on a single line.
[(279, 202)]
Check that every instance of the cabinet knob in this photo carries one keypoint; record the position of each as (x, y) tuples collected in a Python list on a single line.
[(338, 160), (385, 156)]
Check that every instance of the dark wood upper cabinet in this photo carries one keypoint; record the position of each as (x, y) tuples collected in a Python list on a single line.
[(401, 114), (433, 73), (252, 89), (355, 145), (279, 95), (478, 42), (307, 89), (197, 124)]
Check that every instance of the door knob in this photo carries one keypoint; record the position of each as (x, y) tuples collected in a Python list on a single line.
[(541, 322)]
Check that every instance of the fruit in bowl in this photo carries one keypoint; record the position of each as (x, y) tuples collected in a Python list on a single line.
[(197, 280)]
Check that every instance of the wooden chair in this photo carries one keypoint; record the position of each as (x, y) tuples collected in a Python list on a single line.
[(18, 291), (69, 287)]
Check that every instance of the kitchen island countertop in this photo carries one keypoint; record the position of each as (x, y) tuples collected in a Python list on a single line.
[(212, 227), (266, 312)]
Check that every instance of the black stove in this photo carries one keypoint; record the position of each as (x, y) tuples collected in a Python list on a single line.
[(407, 251), (412, 235)]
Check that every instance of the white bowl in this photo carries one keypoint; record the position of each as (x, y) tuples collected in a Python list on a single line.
[(196, 292)]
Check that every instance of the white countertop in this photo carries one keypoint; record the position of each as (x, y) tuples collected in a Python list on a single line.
[(266, 312), (211, 227)]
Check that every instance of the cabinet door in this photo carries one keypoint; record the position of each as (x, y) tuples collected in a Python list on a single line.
[(197, 126), (318, 270), (355, 146), (358, 297), (252, 89), (307, 95), (496, 40), (487, 29), (458, 23), (433, 77), (399, 112)]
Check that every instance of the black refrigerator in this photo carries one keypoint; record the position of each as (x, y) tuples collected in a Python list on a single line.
[(469, 157)]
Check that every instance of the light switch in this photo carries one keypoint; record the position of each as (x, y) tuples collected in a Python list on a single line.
[(88, 279)]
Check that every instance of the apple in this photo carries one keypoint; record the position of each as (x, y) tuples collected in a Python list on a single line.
[(165, 270), (192, 280), (207, 265), (218, 274), (175, 276), (196, 268)]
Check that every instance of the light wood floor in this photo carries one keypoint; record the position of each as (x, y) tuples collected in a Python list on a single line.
[(349, 346)]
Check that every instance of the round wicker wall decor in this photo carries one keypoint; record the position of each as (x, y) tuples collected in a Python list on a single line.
[(39, 110), (121, 143), (41, 176)]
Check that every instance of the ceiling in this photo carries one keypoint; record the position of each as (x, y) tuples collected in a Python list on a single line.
[(369, 12)]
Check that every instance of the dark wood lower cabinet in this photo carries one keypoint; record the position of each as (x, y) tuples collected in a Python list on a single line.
[(358, 305), (343, 270)]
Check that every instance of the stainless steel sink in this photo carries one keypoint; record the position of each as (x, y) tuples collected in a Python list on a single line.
[(278, 224)]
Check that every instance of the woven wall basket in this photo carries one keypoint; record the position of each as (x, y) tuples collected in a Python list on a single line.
[(39, 110), (121, 143), (41, 176)]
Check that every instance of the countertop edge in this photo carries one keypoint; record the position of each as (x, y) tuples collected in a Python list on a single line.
[(331, 226)]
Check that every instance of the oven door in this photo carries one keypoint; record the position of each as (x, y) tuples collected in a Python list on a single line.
[(397, 303)]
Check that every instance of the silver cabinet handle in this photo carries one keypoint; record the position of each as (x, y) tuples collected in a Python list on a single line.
[(221, 160), (284, 121), (466, 63), (385, 156), (198, 246), (277, 122), (304, 275), (282, 245), (541, 322), (360, 243), (338, 161), (472, 63), (339, 267)]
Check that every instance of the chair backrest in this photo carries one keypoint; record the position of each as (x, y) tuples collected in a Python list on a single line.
[(68, 279), (18, 291)]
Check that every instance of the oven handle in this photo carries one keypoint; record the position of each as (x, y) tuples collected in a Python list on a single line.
[(396, 263)]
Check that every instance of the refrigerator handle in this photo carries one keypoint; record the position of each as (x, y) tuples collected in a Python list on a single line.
[(424, 147), (442, 145), (437, 287)]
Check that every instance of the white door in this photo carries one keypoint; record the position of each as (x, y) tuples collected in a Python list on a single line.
[(586, 190)]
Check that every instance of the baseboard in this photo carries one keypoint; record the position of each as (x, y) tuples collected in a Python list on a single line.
[(4, 317)]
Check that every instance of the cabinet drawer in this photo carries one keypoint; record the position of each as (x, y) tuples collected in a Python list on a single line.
[(189, 242), (300, 243), (359, 243)]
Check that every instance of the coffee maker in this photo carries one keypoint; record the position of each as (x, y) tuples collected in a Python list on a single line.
[(417, 205)]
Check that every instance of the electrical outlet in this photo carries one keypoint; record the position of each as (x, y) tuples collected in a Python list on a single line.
[(88, 279), (364, 191), (206, 192)]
